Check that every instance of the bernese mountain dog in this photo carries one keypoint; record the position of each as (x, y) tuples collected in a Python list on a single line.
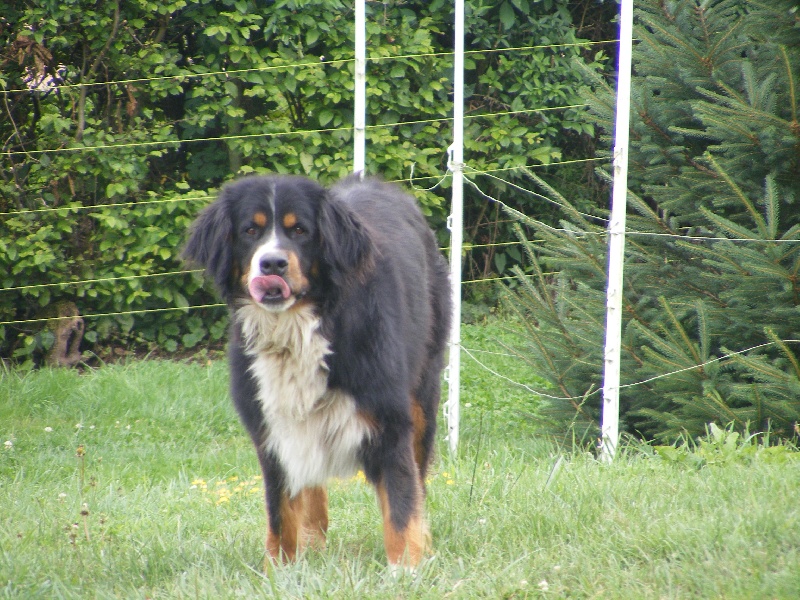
[(340, 313)]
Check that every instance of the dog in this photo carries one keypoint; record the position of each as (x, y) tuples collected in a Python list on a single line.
[(340, 314)]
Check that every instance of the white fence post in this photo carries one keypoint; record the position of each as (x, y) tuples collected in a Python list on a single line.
[(616, 240), (455, 223), (360, 100)]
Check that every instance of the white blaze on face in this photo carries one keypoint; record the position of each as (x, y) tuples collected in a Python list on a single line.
[(269, 290), (265, 249)]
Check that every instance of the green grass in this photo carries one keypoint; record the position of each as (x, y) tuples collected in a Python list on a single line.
[(164, 502)]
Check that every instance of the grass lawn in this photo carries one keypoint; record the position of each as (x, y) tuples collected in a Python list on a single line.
[(137, 481)]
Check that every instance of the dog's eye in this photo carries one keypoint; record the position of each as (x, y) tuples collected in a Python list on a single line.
[(299, 230), (250, 230)]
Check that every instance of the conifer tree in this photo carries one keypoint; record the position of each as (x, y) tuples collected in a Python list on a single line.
[(712, 266)]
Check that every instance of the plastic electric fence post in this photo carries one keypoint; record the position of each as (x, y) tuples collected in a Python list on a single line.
[(616, 240), (360, 101), (455, 224)]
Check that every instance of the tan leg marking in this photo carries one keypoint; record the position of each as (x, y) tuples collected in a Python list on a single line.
[(315, 517), (407, 547), (282, 546), (419, 422), (304, 522)]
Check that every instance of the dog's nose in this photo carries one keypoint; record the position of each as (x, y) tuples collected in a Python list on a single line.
[(273, 264)]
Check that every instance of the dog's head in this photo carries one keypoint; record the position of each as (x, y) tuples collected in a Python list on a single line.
[(277, 240)]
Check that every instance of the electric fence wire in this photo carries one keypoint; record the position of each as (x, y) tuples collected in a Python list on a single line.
[(322, 62), (590, 392), (268, 134)]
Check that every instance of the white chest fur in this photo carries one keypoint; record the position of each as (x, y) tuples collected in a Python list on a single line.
[(315, 432)]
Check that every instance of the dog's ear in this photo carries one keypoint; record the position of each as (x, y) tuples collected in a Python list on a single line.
[(210, 243), (347, 246)]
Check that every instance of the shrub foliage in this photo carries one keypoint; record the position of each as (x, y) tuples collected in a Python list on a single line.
[(125, 117)]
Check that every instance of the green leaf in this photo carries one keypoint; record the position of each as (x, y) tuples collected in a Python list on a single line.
[(507, 17), (307, 161), (500, 262), (522, 5), (231, 89)]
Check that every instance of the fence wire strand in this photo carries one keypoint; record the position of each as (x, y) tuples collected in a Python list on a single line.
[(99, 280), (469, 352), (299, 132), (115, 313), (180, 77), (103, 206)]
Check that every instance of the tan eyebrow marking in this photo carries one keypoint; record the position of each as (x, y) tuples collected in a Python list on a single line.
[(289, 220), (260, 219)]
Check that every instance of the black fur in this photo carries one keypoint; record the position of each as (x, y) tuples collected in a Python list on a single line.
[(380, 287)]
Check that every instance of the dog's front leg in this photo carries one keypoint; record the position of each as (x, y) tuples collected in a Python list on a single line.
[(293, 523)]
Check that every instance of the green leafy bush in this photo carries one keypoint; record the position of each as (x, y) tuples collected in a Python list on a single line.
[(126, 117)]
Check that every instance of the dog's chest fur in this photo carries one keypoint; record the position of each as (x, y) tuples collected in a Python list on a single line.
[(314, 431)]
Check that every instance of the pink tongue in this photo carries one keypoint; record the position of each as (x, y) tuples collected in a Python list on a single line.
[(270, 287)]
